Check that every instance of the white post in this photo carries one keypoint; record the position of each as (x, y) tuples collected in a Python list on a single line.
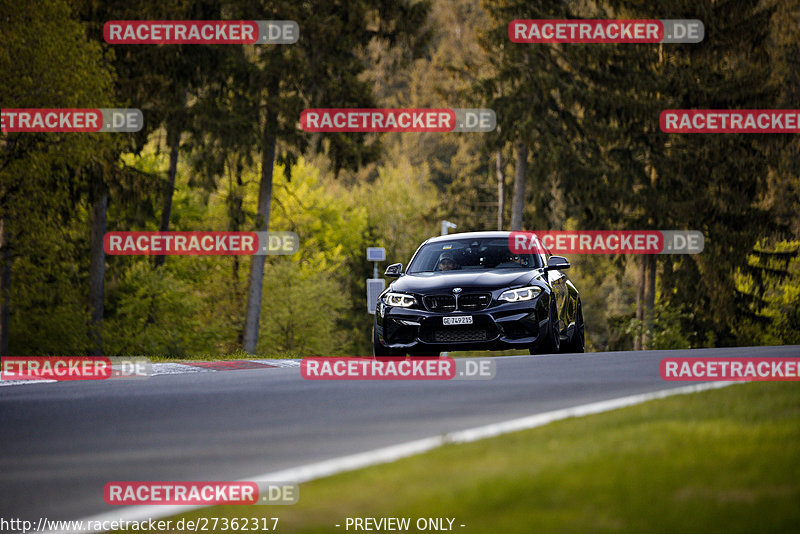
[(446, 225)]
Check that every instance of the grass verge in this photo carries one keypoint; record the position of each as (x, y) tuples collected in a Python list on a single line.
[(724, 461), (238, 355)]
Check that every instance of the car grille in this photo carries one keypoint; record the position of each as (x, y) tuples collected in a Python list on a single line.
[(440, 303), (465, 335), (474, 302), (447, 303)]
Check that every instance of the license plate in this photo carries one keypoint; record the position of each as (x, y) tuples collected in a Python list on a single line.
[(458, 319)]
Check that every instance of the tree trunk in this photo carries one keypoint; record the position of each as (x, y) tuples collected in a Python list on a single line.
[(97, 260), (234, 214), (649, 266), (500, 199), (174, 141), (253, 312), (518, 200), (5, 286), (637, 337), (649, 299), (236, 219)]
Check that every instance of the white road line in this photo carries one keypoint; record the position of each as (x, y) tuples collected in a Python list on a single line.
[(169, 368), (24, 382), (325, 468)]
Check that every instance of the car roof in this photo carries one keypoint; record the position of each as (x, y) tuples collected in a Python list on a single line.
[(469, 235)]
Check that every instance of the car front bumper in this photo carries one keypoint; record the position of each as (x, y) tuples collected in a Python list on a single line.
[(511, 325)]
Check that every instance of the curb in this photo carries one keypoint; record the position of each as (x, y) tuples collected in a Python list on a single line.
[(172, 368)]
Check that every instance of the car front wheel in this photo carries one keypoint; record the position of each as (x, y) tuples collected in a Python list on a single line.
[(552, 341), (577, 343), (379, 351)]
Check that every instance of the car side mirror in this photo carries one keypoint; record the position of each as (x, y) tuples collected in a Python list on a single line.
[(394, 270), (557, 263)]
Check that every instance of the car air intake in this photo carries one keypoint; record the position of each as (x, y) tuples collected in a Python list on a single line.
[(464, 335)]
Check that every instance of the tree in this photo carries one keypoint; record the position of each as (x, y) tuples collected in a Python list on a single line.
[(165, 81), (637, 177), (46, 62), (321, 69), (529, 89)]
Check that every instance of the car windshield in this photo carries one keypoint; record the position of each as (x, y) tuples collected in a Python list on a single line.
[(470, 255)]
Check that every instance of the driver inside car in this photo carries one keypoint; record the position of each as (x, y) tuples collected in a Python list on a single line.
[(446, 262)]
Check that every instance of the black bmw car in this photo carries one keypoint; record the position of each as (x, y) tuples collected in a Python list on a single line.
[(469, 291)]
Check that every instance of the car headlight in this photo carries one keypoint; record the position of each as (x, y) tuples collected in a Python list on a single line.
[(399, 299), (520, 294)]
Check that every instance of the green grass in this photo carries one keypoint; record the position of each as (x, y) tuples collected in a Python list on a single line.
[(242, 355), (488, 353), (724, 461), (238, 355)]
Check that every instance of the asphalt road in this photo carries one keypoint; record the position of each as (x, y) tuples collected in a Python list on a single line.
[(61, 442)]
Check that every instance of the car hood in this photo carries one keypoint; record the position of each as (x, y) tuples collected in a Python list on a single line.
[(467, 280)]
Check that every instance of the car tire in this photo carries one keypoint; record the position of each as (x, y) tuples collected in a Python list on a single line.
[(577, 342), (379, 351), (551, 344)]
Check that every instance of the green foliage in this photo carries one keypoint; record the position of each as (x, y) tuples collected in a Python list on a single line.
[(401, 205), (607, 299), (46, 61), (49, 314), (768, 291), (142, 294), (669, 328), (314, 300), (299, 312), (322, 213)]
